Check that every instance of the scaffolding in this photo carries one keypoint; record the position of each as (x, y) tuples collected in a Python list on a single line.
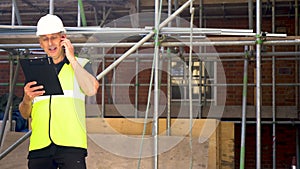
[(246, 38)]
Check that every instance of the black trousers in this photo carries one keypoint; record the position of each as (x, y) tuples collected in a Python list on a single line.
[(59, 161)]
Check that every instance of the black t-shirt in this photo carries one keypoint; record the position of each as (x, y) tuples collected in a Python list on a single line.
[(53, 149), (87, 67)]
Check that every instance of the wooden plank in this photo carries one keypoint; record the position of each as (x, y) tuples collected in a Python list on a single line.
[(134, 126), (226, 145), (219, 135), (282, 112), (213, 154), (179, 111), (212, 144), (118, 154), (117, 126)]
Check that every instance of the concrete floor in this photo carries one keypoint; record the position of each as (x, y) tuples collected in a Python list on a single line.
[(105, 157)]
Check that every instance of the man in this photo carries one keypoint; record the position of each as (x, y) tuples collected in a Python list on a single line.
[(58, 138)]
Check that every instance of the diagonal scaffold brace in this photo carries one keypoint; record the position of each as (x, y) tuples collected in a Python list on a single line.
[(143, 40)]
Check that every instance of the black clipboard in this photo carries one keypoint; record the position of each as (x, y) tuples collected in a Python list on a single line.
[(43, 72)]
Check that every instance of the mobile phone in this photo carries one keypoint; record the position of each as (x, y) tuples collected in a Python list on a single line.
[(63, 37)]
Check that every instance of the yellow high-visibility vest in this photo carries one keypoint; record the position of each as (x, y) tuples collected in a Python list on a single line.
[(61, 119)]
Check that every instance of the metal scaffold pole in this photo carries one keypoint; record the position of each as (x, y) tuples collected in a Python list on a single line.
[(156, 81), (245, 89), (190, 81), (273, 92), (297, 26), (258, 84), (51, 7), (8, 105), (244, 113), (169, 77)]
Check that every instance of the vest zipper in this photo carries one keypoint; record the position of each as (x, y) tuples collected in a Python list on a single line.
[(49, 130)]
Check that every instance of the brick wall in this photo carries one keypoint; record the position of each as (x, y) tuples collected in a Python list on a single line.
[(285, 145), (5, 78)]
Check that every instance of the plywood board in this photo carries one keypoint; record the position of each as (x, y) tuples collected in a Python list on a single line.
[(211, 145)]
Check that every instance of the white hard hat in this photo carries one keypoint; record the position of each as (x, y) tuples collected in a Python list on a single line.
[(49, 24)]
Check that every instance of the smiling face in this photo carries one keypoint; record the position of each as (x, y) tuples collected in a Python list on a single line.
[(51, 45)]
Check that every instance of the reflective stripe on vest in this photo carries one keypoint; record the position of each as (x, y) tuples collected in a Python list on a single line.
[(65, 124)]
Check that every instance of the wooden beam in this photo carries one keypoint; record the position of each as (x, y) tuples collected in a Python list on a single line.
[(219, 135), (283, 112)]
